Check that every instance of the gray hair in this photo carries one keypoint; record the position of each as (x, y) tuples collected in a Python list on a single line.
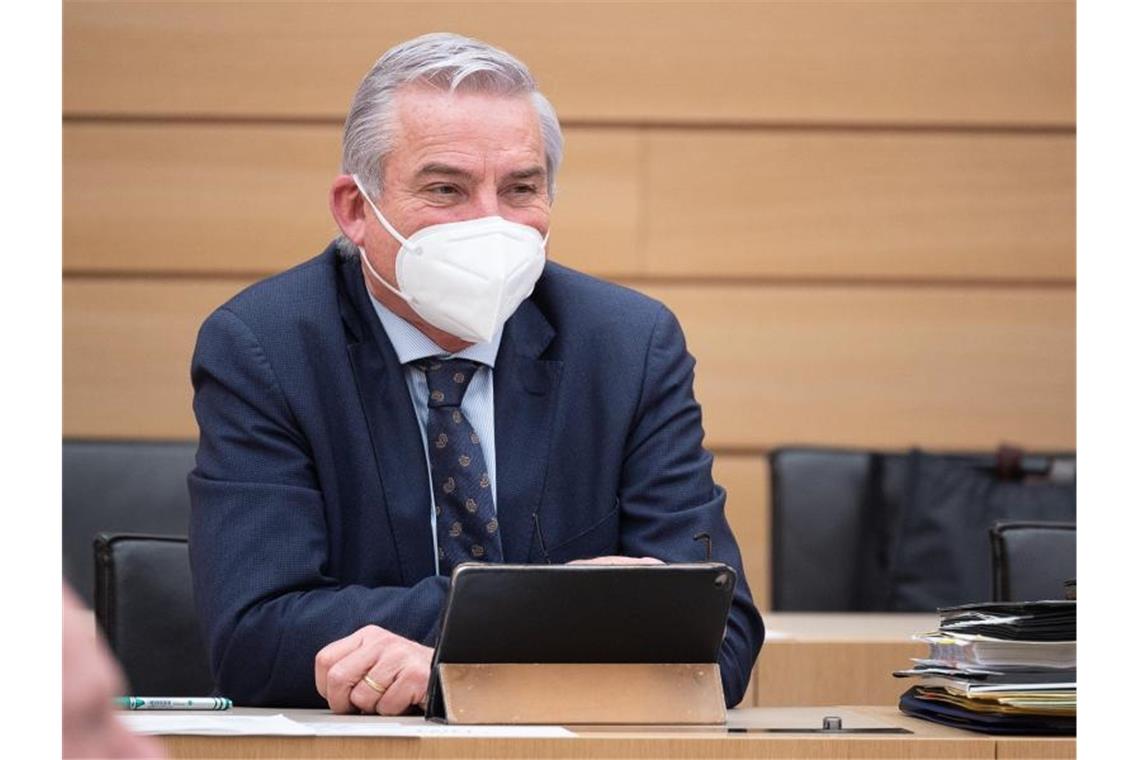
[(443, 60)]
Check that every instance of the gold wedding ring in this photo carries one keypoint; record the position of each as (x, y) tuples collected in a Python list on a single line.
[(373, 685)]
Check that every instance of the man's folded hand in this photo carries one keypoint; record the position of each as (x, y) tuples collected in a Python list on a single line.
[(373, 671)]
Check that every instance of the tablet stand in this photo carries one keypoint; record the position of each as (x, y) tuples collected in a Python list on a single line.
[(582, 693)]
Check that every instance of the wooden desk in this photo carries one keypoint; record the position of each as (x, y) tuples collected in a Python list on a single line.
[(926, 740), (836, 658)]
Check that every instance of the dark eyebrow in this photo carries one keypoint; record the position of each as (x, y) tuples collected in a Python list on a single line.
[(444, 169), (531, 173), (448, 170)]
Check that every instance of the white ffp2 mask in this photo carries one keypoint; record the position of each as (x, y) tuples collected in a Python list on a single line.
[(465, 278)]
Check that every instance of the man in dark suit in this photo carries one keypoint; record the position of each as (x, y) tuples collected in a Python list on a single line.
[(428, 391)]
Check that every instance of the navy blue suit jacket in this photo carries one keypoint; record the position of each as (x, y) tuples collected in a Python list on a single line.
[(310, 503)]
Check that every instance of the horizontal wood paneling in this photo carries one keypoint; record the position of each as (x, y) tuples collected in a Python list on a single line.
[(892, 205), (242, 198), (597, 212), (126, 355), (147, 198), (893, 366), (874, 366), (830, 62)]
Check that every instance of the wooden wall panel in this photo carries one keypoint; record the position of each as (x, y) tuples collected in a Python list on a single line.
[(941, 367), (885, 204), (126, 355), (597, 215), (196, 198), (238, 199), (868, 366), (251, 199), (694, 62)]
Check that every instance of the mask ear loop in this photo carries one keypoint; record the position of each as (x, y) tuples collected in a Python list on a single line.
[(391, 231), (379, 216)]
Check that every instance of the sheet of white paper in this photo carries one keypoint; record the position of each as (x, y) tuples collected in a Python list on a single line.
[(212, 724), (376, 728), (279, 725)]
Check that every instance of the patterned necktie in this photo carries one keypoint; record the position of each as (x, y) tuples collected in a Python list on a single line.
[(466, 526)]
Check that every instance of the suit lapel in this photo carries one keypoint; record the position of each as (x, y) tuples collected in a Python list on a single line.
[(396, 442), (526, 393)]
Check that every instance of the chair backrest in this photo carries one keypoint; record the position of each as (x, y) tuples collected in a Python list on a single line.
[(1032, 560), (817, 514), (838, 524), (145, 606), (120, 487)]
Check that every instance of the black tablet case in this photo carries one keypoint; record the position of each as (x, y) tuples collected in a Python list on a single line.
[(582, 614)]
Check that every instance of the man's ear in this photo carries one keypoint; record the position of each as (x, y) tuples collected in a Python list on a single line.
[(347, 207)]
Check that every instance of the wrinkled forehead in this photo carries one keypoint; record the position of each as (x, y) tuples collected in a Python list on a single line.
[(477, 124)]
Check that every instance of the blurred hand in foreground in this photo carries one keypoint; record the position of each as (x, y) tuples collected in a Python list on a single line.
[(91, 681)]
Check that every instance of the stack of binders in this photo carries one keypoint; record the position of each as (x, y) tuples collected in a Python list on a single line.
[(1001, 668)]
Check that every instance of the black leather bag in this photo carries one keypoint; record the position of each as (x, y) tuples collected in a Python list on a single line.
[(939, 545)]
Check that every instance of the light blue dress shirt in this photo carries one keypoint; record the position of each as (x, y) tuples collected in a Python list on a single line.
[(478, 403)]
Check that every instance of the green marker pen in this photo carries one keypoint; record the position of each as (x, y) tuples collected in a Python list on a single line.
[(173, 703)]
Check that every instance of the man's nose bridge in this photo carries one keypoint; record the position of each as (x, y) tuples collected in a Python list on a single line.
[(486, 200)]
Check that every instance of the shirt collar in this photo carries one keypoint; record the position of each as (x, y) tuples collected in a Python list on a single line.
[(412, 345)]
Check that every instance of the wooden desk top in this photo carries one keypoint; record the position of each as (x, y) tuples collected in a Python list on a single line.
[(747, 735)]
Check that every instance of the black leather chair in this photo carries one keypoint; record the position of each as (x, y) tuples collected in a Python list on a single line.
[(1032, 560), (120, 487), (144, 604), (817, 522), (836, 517)]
